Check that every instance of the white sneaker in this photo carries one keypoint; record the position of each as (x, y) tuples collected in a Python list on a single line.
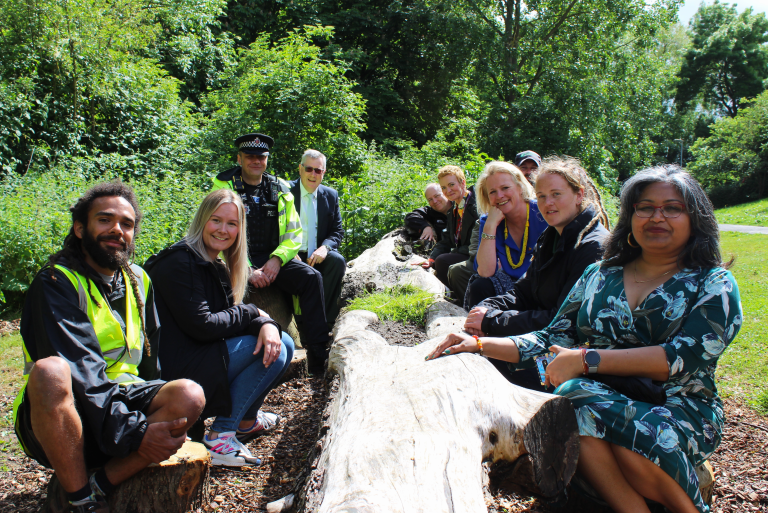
[(227, 450), (265, 422)]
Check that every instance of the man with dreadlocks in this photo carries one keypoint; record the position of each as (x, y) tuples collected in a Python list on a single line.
[(90, 333)]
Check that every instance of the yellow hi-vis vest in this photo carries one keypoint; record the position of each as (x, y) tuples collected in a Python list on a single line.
[(121, 351)]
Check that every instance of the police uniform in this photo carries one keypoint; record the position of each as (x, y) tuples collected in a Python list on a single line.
[(274, 229)]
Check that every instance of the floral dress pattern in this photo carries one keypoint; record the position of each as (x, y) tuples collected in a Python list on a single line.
[(693, 316)]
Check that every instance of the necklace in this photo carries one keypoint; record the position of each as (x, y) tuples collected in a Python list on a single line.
[(634, 273), (525, 241)]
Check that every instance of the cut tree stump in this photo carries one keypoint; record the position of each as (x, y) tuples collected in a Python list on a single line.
[(404, 434), (176, 485), (279, 306)]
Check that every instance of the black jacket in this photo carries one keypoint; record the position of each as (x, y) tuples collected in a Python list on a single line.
[(52, 324), (194, 302), (329, 228), (416, 221), (536, 297), (448, 243)]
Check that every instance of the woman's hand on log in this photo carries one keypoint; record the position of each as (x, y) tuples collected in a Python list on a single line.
[(454, 343), (474, 323), (158, 443), (566, 366), (269, 338)]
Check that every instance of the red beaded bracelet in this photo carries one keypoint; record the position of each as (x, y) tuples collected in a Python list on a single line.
[(584, 361), (479, 344)]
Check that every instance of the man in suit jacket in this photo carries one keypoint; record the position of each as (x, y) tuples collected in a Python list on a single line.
[(318, 208)]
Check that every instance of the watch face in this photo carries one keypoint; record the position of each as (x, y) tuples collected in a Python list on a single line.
[(592, 358)]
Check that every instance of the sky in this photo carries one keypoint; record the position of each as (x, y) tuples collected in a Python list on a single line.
[(689, 8)]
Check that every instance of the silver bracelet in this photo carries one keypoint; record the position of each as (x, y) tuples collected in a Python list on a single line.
[(486, 236)]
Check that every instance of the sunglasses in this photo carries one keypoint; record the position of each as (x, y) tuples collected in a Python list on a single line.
[(310, 169), (669, 211)]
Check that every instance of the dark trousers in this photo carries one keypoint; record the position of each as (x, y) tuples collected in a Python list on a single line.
[(444, 262), (297, 278), (480, 289), (332, 268)]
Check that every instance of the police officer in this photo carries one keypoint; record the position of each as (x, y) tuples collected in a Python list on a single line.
[(274, 239)]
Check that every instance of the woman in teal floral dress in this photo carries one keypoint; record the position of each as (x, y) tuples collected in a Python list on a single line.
[(661, 305)]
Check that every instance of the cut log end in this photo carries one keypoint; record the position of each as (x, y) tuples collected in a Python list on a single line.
[(551, 439), (178, 484)]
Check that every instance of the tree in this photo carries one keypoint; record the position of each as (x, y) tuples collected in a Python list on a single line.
[(289, 92), (90, 78), (737, 150), (728, 60)]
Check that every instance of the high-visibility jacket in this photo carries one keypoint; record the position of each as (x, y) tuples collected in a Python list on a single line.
[(122, 351), (288, 220)]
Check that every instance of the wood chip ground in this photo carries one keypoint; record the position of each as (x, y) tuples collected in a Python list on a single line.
[(740, 462)]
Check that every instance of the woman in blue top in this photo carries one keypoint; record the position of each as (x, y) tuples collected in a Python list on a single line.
[(509, 228), (661, 306)]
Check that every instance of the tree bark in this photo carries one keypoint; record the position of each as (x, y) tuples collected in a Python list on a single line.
[(279, 306), (404, 434), (178, 484)]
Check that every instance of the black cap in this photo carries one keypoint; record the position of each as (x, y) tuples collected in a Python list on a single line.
[(527, 155), (254, 144)]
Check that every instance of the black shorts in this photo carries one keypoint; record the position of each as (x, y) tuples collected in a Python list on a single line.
[(136, 396)]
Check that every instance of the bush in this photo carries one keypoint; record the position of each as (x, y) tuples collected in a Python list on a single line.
[(35, 218)]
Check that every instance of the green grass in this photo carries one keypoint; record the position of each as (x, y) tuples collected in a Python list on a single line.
[(401, 303), (751, 214), (11, 366), (743, 368)]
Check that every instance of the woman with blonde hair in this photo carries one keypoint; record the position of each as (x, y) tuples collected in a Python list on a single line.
[(571, 205), (235, 351), (510, 225)]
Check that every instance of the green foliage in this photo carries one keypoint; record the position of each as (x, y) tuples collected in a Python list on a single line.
[(34, 218), (82, 79), (750, 214), (728, 60), (743, 368), (400, 303), (289, 92), (375, 202), (737, 150)]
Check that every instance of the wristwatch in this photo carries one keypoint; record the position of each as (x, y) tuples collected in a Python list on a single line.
[(592, 359)]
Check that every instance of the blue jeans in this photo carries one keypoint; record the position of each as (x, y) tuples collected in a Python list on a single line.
[(249, 380)]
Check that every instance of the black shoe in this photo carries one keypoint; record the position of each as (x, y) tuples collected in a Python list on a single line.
[(57, 501), (317, 358)]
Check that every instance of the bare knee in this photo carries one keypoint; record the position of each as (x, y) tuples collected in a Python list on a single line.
[(188, 398), (50, 381)]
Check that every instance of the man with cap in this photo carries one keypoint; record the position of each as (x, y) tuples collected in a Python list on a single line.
[(318, 207), (430, 221), (274, 239), (528, 162)]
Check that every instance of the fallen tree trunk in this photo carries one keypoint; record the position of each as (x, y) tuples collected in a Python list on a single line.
[(279, 306), (404, 434), (385, 265)]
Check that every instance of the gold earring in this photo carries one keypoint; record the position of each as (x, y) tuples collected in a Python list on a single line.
[(629, 241)]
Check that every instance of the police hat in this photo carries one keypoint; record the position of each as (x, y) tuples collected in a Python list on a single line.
[(254, 144)]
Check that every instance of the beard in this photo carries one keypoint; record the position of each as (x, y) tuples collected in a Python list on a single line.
[(110, 258)]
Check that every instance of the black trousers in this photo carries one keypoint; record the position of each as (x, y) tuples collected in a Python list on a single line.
[(332, 268), (297, 278)]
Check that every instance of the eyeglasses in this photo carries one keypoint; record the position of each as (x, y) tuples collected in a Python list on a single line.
[(669, 211), (310, 169)]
